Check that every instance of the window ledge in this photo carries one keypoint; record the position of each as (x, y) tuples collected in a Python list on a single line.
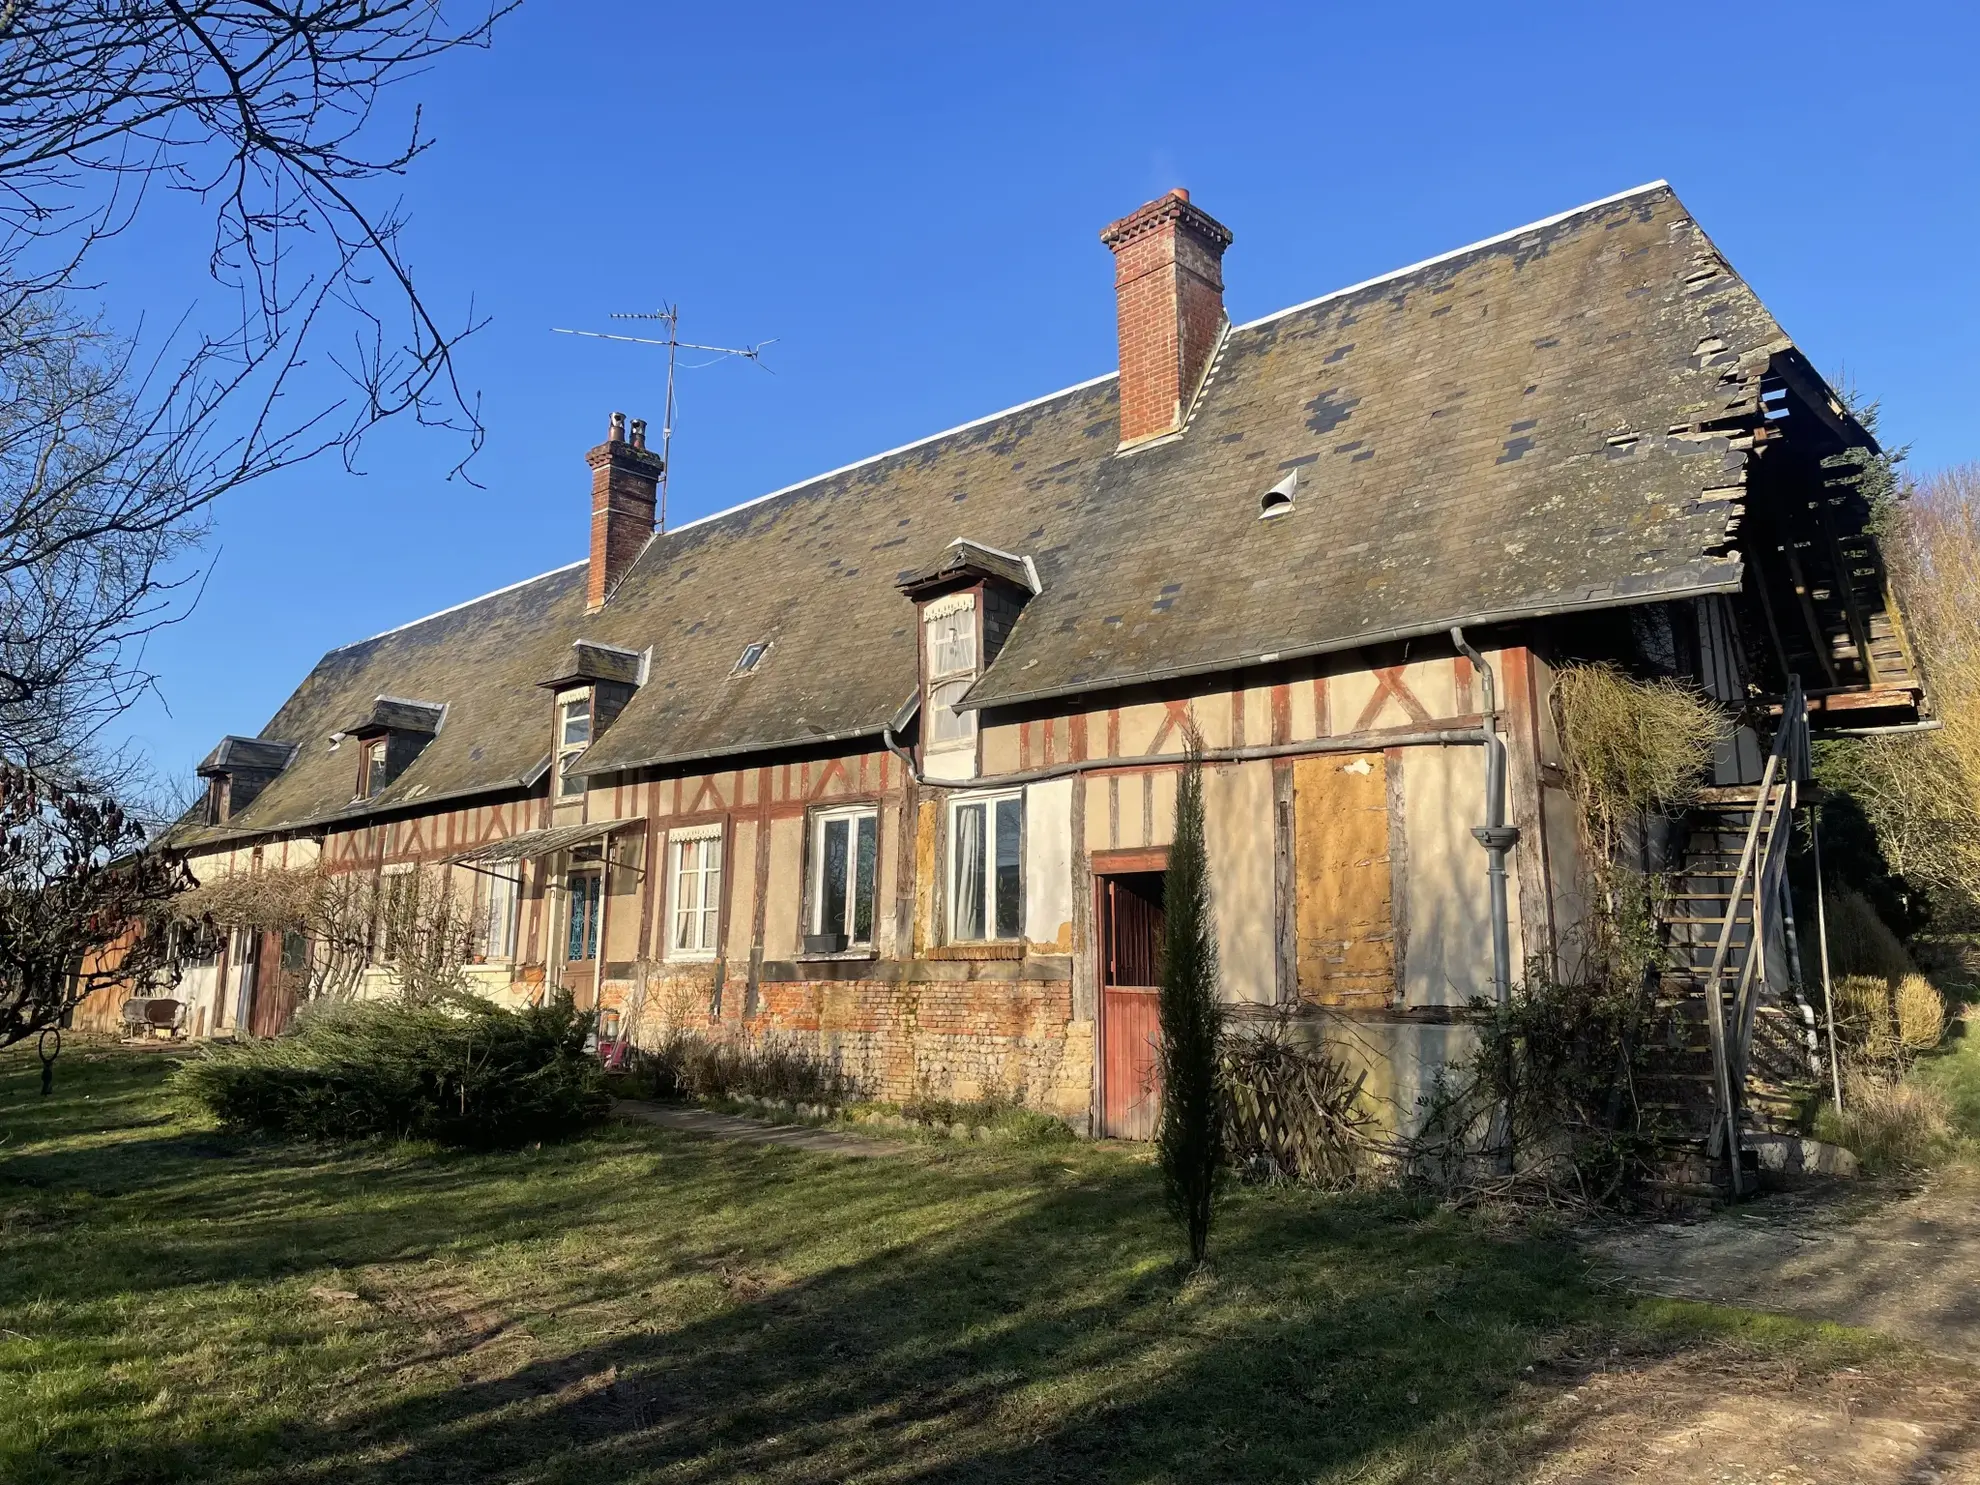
[(847, 955), (1012, 949)]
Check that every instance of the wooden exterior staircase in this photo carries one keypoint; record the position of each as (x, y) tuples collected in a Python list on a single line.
[(1737, 1050)]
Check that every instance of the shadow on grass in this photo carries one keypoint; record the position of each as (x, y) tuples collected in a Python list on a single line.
[(778, 1316)]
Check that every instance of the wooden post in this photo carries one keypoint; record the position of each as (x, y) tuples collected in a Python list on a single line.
[(1822, 940)]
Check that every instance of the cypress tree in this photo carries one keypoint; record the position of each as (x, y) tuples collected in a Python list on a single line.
[(1190, 1136)]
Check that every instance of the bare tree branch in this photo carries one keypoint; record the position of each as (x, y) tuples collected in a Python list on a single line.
[(267, 113)]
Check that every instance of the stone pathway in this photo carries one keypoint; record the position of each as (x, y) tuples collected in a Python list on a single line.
[(691, 1120), (1909, 1267)]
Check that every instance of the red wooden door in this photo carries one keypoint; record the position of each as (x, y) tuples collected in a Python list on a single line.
[(1130, 921)]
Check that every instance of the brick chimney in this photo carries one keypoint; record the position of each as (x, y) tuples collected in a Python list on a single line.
[(625, 478), (1169, 286)]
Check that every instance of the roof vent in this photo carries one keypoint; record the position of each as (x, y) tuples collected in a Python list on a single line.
[(752, 656), (1278, 501)]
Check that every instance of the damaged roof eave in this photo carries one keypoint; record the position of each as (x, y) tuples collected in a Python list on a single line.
[(230, 834), (1731, 584), (735, 750)]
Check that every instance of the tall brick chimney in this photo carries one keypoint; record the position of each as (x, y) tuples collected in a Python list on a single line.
[(1169, 286), (625, 479)]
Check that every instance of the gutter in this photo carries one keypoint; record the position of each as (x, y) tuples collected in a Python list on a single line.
[(972, 702), (1354, 743)]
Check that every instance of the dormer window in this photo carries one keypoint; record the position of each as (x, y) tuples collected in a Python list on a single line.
[(374, 767), (390, 737), (948, 627), (591, 686), (237, 771), (968, 602), (573, 737)]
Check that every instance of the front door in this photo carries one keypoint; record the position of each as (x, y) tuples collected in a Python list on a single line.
[(1130, 922), (581, 936)]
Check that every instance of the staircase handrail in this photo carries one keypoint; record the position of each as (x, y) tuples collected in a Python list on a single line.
[(1787, 764)]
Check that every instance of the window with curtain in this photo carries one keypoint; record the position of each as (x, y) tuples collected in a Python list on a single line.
[(986, 868), (949, 629), (375, 776), (587, 895), (845, 861), (496, 890), (696, 879)]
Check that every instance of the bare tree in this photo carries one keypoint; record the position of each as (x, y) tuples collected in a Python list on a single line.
[(419, 924), (265, 112), (81, 906)]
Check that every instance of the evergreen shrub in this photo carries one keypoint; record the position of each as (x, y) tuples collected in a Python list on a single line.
[(463, 1071)]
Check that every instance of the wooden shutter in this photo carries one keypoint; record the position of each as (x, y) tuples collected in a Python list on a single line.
[(1344, 926)]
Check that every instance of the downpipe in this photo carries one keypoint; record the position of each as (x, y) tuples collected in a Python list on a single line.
[(1495, 835)]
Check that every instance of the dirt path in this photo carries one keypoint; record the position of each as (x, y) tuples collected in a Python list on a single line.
[(1692, 1420), (690, 1120), (1908, 1267)]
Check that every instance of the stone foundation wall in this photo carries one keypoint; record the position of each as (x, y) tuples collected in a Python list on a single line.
[(924, 1031)]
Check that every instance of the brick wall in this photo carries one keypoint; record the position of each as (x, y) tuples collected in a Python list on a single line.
[(943, 1031)]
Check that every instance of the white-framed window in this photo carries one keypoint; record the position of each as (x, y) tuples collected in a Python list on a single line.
[(986, 867), (573, 737), (496, 891), (845, 877), (694, 877), (948, 627)]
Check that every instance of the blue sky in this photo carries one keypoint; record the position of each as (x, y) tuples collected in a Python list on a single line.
[(908, 199)]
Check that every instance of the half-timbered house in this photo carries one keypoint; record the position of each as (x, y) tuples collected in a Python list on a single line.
[(886, 761)]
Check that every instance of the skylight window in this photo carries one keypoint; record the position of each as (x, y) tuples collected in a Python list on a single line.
[(752, 656)]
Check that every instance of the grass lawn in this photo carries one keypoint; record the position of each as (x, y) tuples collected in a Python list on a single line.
[(1955, 1071), (641, 1305)]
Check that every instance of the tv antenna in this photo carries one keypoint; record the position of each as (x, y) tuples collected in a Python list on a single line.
[(670, 316)]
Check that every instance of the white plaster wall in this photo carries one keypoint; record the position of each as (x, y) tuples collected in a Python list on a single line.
[(742, 891), (783, 893), (1048, 853), (1447, 900), (1237, 829), (1399, 1063)]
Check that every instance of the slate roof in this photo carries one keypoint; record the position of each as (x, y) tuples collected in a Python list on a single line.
[(963, 561), (246, 755), (595, 662), (397, 713), (1485, 436)]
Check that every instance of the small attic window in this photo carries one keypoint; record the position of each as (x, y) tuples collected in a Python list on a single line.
[(752, 656), (1278, 501)]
